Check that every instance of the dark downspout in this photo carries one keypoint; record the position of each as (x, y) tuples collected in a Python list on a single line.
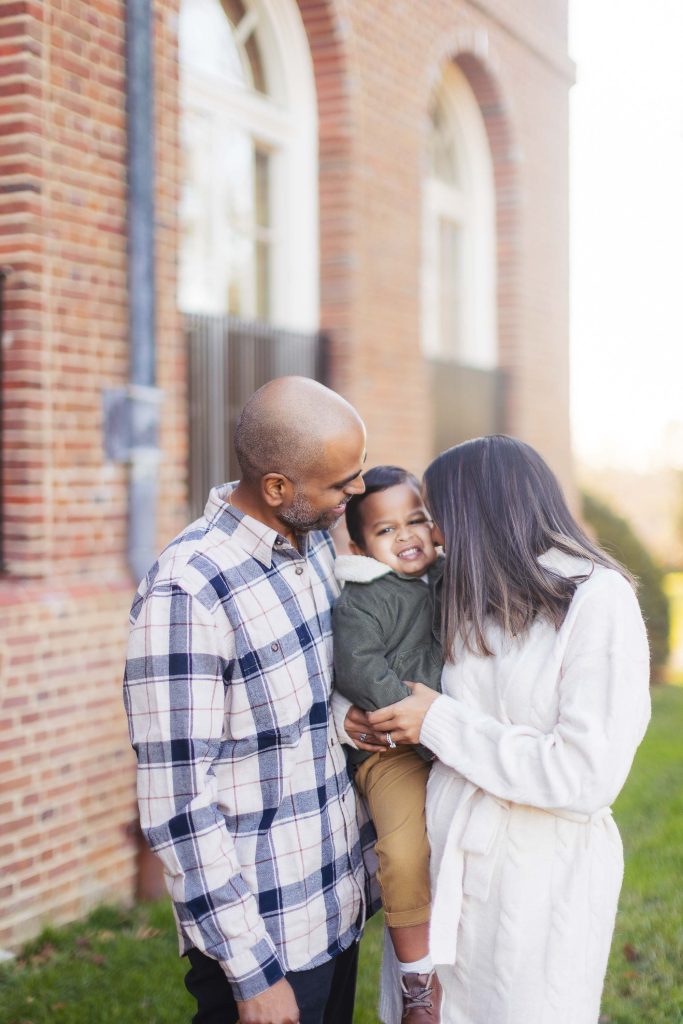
[(143, 396), (138, 420)]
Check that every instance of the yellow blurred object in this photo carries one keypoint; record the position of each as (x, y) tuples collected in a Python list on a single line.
[(673, 588)]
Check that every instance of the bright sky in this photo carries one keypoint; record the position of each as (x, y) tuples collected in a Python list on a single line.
[(627, 231)]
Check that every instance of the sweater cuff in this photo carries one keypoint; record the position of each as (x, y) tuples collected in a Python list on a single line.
[(440, 728), (339, 707)]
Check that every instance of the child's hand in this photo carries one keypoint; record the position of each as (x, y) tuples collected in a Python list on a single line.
[(403, 721), (361, 732)]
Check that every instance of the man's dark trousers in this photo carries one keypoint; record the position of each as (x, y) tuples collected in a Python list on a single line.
[(324, 995)]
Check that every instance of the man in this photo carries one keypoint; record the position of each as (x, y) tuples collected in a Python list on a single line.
[(242, 784)]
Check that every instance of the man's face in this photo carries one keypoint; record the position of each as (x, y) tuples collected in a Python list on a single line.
[(318, 502)]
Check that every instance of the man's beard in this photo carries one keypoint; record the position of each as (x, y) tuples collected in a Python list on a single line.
[(304, 518)]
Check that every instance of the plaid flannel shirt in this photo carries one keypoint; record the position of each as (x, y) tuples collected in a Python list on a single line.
[(242, 783)]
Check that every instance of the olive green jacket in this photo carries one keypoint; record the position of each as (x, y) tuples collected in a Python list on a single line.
[(385, 631)]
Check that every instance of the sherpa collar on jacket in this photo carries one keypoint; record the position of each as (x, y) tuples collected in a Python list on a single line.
[(362, 569)]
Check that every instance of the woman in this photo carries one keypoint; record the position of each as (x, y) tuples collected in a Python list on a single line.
[(545, 700)]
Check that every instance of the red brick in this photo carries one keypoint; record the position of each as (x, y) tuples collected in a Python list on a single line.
[(64, 599)]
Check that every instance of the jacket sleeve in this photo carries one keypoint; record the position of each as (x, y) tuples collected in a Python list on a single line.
[(604, 708), (361, 671), (174, 697)]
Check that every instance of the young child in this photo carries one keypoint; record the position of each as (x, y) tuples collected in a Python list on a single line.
[(385, 634)]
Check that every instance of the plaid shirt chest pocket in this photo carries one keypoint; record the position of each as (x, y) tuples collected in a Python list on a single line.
[(277, 675), (270, 690)]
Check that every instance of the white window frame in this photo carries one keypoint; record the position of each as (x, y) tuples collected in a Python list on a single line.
[(286, 123), (471, 207)]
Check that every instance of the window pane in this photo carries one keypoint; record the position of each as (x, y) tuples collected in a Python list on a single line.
[(442, 149), (225, 252), (234, 170), (235, 11), (262, 163), (240, 296), (262, 280), (262, 170), (253, 56), (206, 42), (450, 277), (261, 186), (216, 212), (234, 162), (194, 286)]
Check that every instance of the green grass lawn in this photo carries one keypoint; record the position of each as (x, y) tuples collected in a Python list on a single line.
[(121, 966), (645, 978)]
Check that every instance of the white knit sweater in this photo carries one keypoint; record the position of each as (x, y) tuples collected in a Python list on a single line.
[(533, 745)]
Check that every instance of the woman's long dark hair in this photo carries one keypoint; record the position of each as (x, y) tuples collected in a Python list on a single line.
[(499, 507)]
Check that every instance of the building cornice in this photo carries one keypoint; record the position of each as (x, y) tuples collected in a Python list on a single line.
[(556, 58)]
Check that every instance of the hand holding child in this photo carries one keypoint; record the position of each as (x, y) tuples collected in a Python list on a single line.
[(404, 719), (358, 727)]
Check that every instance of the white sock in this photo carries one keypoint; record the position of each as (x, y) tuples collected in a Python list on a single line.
[(422, 966)]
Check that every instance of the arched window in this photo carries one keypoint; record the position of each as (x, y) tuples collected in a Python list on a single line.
[(249, 212), (459, 247)]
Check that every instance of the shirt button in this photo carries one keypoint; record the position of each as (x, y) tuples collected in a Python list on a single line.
[(299, 570), (279, 541), (275, 647)]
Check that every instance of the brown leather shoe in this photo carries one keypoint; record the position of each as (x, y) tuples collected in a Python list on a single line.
[(421, 998)]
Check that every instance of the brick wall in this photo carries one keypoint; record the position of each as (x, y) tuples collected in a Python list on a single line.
[(67, 806), (375, 66), (66, 769)]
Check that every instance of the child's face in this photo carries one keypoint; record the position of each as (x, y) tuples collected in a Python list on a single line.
[(396, 530)]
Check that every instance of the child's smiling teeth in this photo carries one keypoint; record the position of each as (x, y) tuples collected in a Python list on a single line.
[(409, 553)]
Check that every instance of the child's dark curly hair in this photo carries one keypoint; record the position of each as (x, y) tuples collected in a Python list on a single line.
[(379, 478)]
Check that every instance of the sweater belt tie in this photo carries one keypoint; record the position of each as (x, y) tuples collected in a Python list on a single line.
[(467, 866)]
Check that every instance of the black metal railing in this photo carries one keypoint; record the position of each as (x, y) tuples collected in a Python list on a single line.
[(228, 359)]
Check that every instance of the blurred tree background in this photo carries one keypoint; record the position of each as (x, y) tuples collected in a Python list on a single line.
[(619, 539)]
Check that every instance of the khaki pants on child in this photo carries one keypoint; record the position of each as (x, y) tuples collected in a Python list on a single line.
[(394, 783)]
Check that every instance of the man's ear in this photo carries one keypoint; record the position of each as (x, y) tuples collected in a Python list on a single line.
[(276, 489)]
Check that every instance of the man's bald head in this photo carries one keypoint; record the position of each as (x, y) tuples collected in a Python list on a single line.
[(287, 425)]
